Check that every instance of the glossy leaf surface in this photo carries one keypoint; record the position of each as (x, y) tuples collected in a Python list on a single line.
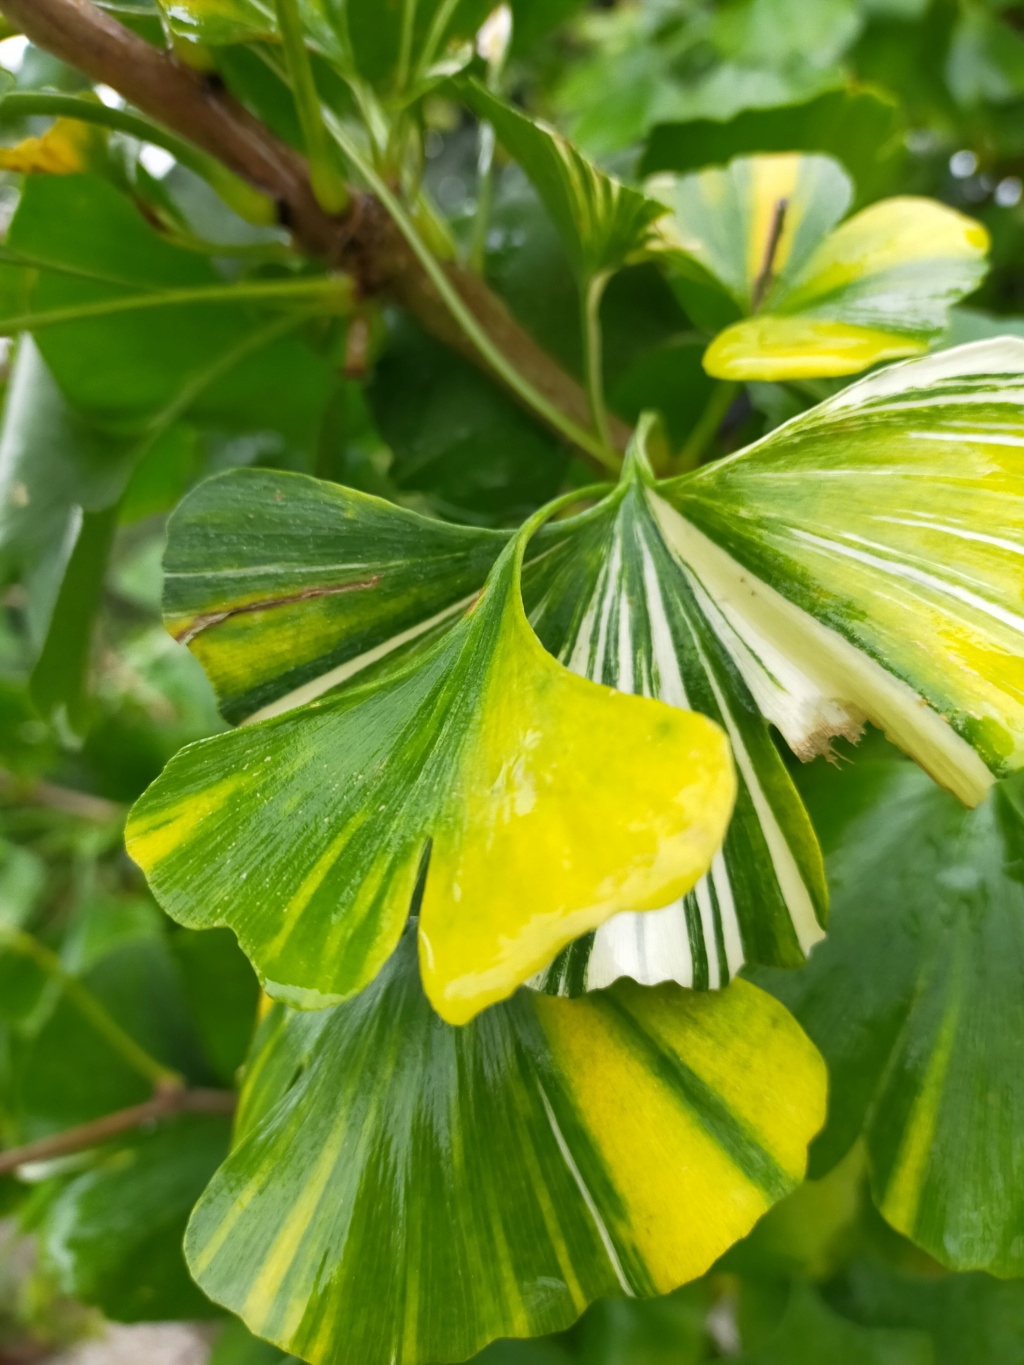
[(547, 804), (617, 604), (279, 583), (817, 298), (915, 1002), (492, 1180), (601, 221), (862, 562)]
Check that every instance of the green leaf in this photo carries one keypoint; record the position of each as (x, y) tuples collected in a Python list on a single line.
[(307, 833), (461, 445), (65, 1071), (616, 603), (602, 222), (986, 60), (222, 995), (112, 1234), (969, 1317), (862, 562), (215, 23), (860, 125), (397, 45), (810, 1334), (255, 586), (129, 371), (818, 299), (915, 1003), (492, 1180)]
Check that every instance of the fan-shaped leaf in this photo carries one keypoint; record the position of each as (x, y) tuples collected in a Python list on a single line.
[(547, 805), (616, 604), (915, 1001), (863, 562), (280, 583), (822, 301), (491, 1181), (601, 221)]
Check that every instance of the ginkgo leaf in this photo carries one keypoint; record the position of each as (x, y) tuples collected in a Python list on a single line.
[(915, 1001), (601, 221), (493, 1180), (542, 802), (68, 147), (392, 46), (615, 603), (283, 586), (816, 299), (863, 563), (217, 23)]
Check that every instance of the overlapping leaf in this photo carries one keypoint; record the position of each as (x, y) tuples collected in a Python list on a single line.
[(546, 803), (915, 1001), (392, 45), (850, 567), (492, 1180), (816, 299), (617, 604), (601, 221), (280, 584), (863, 563)]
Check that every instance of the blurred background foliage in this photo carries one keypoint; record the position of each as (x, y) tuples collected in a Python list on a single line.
[(106, 423)]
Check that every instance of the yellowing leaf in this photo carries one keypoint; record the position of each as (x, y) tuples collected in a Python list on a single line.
[(543, 803), (491, 1181), (819, 299), (67, 148)]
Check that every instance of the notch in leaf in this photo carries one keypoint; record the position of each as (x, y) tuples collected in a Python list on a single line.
[(542, 802), (816, 296), (493, 1180)]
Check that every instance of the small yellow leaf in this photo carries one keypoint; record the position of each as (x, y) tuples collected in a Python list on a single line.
[(67, 148)]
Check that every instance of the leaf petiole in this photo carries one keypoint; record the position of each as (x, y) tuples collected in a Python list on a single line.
[(591, 294), (496, 359), (260, 291), (324, 173), (247, 202)]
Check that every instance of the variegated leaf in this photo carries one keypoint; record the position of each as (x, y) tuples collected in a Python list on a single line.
[(617, 604), (493, 1180), (283, 586), (863, 563), (308, 833), (816, 299), (915, 1001), (601, 221)]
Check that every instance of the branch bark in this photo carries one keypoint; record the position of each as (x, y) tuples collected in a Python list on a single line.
[(363, 241), (164, 1105)]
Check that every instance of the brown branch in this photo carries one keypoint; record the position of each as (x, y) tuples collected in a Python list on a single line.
[(164, 1105), (363, 241), (65, 799)]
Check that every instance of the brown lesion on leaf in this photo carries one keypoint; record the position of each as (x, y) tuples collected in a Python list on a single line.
[(215, 618), (766, 275)]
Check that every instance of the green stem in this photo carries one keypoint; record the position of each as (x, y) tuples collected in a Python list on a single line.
[(591, 294), (258, 291), (325, 177), (405, 45), (147, 1066), (463, 316), (484, 198), (707, 427), (249, 203), (442, 18)]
